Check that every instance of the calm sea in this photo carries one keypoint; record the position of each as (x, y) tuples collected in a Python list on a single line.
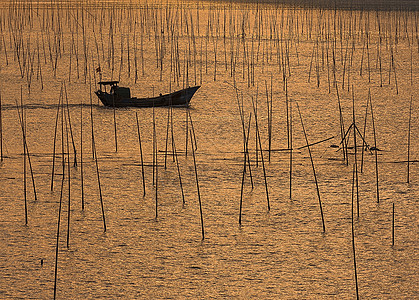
[(264, 70)]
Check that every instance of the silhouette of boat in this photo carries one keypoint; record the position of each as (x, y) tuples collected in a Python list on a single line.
[(121, 96)]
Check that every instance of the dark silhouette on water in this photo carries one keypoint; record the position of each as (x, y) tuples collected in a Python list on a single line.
[(121, 97)]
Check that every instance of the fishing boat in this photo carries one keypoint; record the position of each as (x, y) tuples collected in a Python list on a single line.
[(121, 96)]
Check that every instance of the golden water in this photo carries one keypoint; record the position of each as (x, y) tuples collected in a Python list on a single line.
[(281, 253)]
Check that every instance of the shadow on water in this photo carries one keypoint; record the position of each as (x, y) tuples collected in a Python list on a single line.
[(44, 106)]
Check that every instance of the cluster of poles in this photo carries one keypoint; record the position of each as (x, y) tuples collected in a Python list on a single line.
[(65, 159), (352, 138), (193, 45), (190, 45)]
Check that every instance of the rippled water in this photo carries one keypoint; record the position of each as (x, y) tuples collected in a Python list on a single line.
[(280, 253)]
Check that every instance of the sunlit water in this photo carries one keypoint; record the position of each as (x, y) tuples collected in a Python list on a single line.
[(281, 253)]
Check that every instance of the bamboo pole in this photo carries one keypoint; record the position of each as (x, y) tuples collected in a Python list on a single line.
[(353, 233), (375, 149), (1, 131), (312, 165), (154, 143), (315, 143), (69, 182), (100, 188), (261, 155), (157, 182), (244, 168), (287, 111), (95, 157), (172, 134), (114, 123), (355, 152), (141, 153), (246, 152), (70, 128), (364, 144), (411, 65), (392, 227), (91, 117), (186, 131), (270, 105), (290, 140), (393, 64), (197, 187), (167, 137), (178, 168), (58, 238), (342, 129), (193, 142), (245, 138), (408, 139), (22, 120), (81, 154)]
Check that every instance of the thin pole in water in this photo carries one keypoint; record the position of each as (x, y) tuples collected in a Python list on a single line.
[(355, 152), (114, 122), (270, 121), (244, 168), (408, 140), (375, 149), (100, 190), (197, 187), (245, 138), (312, 165), (193, 132), (81, 152), (178, 169), (186, 131), (58, 237), (242, 188), (392, 227), (69, 182), (154, 142), (97, 172), (24, 155), (29, 161), (167, 137), (342, 128), (1, 132), (22, 120), (141, 153), (290, 138), (261, 155), (172, 134), (69, 125), (353, 233), (364, 144), (157, 182), (91, 117), (246, 152)]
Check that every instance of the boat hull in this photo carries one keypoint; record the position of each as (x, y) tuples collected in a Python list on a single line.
[(178, 98)]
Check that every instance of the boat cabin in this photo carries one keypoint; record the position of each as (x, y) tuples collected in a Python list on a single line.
[(117, 91)]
